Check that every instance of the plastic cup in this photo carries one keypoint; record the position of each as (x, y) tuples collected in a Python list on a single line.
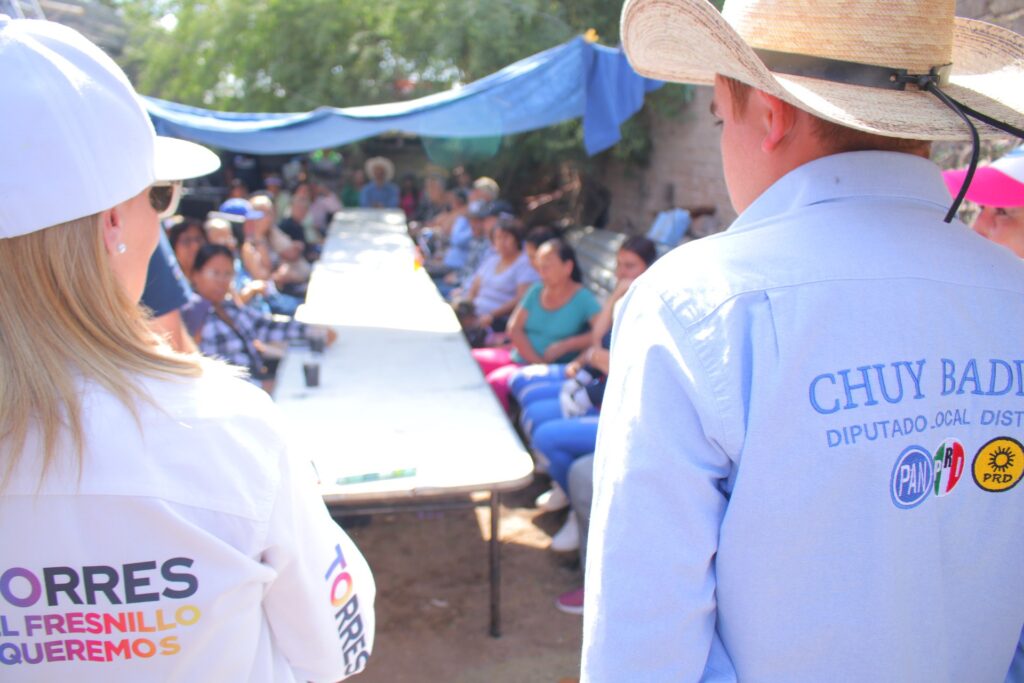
[(317, 337), (311, 372)]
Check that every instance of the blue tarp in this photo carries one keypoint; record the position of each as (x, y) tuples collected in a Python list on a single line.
[(574, 79)]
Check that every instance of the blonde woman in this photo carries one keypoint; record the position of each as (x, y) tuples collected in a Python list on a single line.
[(154, 527)]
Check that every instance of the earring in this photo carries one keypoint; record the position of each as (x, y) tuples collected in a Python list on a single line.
[(121, 248)]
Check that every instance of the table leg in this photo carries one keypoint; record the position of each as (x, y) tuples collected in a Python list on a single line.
[(495, 562), (494, 549)]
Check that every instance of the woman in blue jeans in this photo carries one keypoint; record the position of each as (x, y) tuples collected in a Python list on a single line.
[(563, 441), (559, 403), (536, 383), (564, 428)]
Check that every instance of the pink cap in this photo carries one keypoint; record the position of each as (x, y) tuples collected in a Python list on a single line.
[(1000, 184)]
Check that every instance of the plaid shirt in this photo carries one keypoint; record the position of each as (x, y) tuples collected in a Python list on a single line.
[(219, 340)]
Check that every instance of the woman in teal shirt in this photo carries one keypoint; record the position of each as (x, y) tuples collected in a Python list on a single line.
[(551, 323)]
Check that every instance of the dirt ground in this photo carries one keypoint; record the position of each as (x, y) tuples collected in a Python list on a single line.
[(433, 597)]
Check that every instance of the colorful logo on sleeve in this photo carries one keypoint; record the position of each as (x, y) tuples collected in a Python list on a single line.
[(912, 478), (949, 466), (999, 464)]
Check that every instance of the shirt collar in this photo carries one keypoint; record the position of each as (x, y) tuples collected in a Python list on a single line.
[(845, 176)]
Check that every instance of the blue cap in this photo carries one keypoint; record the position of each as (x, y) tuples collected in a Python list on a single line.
[(240, 207), (478, 208), (499, 207)]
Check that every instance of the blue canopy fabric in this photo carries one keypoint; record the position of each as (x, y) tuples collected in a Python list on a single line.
[(575, 79)]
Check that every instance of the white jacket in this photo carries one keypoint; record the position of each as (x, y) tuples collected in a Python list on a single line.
[(191, 547)]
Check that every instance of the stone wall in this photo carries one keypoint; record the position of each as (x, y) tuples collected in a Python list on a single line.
[(685, 169)]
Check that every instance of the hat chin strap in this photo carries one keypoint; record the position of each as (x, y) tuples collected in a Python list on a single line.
[(890, 78)]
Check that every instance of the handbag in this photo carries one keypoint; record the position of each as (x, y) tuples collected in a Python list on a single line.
[(257, 367), (573, 397)]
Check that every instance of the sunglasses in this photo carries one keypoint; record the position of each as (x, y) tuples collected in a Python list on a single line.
[(164, 197)]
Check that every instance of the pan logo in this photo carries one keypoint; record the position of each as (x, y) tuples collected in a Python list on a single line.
[(949, 466), (999, 464), (912, 478)]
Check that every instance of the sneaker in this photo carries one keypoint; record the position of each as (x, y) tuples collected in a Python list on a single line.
[(568, 537), (553, 500), (571, 602)]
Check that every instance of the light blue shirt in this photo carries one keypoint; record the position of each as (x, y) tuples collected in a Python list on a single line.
[(768, 503), (385, 195), (497, 289), (458, 248)]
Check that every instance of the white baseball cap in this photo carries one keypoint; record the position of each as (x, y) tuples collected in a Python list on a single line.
[(74, 137)]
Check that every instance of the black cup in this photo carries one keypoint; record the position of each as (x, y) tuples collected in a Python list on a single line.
[(316, 344), (311, 371)]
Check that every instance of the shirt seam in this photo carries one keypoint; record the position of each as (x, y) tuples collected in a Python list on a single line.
[(774, 288), (705, 375)]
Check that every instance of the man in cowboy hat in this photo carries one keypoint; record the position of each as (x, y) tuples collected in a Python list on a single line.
[(380, 192), (810, 446)]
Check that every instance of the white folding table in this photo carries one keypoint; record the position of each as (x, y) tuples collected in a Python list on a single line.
[(402, 419)]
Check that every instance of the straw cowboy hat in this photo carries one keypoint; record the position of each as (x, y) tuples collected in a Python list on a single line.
[(374, 162), (838, 59)]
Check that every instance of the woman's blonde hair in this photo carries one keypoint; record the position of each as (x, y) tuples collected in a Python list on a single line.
[(64, 319)]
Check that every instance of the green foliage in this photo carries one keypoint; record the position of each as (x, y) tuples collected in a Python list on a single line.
[(291, 55), (295, 55), (271, 56)]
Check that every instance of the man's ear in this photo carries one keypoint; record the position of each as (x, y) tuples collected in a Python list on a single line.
[(111, 220), (779, 117)]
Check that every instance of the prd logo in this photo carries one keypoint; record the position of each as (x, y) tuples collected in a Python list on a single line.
[(911, 480), (949, 466), (999, 464)]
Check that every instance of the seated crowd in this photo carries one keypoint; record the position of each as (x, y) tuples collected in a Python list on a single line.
[(540, 336), (248, 263), (249, 271)]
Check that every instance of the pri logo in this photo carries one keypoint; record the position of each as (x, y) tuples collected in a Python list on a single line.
[(999, 464), (912, 478), (949, 466)]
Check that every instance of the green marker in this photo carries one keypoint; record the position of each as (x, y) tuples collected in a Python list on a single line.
[(377, 476)]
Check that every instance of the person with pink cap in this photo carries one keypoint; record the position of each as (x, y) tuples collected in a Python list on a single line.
[(999, 190), (155, 526)]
